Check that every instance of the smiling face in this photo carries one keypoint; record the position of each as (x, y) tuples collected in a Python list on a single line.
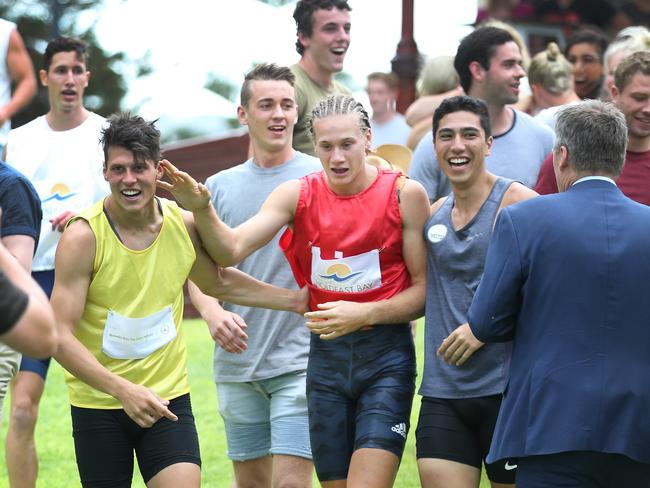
[(587, 68), (501, 81), (342, 147), (132, 182), (329, 41), (461, 147), (634, 101), (270, 114), (66, 80)]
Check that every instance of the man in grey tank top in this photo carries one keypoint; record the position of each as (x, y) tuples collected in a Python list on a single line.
[(463, 379)]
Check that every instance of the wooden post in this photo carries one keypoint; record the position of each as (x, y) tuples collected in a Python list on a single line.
[(406, 63)]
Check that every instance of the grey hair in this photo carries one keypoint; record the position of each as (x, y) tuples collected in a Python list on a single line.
[(595, 135), (339, 105), (628, 41)]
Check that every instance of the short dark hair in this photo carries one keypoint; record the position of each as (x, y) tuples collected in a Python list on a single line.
[(134, 134), (478, 46), (588, 35), (463, 103), (65, 45), (264, 71), (595, 135), (303, 15), (638, 62)]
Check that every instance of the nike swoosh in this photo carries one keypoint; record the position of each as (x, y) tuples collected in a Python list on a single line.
[(510, 467)]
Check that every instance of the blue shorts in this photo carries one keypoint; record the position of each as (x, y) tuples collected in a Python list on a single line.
[(265, 417), (45, 279), (359, 391), (104, 441)]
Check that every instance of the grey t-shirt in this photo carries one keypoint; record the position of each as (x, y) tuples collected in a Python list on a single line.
[(517, 154), (278, 342), (455, 262)]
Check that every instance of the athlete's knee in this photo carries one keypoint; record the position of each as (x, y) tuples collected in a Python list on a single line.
[(293, 481), (24, 412)]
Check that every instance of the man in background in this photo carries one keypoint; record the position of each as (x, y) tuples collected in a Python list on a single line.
[(323, 30), (388, 126)]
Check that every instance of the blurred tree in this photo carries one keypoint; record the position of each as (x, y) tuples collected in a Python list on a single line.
[(39, 21), (221, 86)]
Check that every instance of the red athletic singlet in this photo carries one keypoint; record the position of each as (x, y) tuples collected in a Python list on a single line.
[(347, 247)]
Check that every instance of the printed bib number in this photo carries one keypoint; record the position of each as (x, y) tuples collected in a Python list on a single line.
[(352, 274), (128, 338)]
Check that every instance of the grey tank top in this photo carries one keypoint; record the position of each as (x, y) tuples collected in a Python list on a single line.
[(455, 260)]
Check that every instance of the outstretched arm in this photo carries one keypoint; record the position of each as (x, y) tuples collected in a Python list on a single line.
[(228, 246), (234, 286), (335, 319), (74, 265), (226, 328)]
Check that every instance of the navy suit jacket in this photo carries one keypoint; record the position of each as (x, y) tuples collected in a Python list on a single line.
[(567, 278)]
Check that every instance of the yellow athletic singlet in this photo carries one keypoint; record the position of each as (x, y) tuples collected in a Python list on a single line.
[(134, 306)]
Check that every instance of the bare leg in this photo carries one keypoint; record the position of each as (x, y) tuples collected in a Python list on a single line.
[(254, 473), (442, 473), (292, 472), (372, 468), (20, 452), (187, 475)]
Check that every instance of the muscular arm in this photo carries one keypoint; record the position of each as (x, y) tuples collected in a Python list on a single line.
[(21, 71), (233, 286), (34, 333), (225, 245), (74, 266), (339, 318)]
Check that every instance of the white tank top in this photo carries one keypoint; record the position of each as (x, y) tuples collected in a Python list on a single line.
[(6, 28)]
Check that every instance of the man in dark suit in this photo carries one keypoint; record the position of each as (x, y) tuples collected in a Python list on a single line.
[(566, 279)]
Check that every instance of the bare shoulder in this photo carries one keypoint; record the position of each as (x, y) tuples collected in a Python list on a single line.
[(76, 249), (517, 193), (414, 202)]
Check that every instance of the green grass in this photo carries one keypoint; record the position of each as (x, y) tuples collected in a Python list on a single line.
[(54, 436)]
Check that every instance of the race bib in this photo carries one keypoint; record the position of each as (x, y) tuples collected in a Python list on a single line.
[(352, 274), (127, 338)]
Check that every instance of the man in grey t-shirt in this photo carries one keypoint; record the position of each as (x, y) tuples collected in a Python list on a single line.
[(463, 380), (488, 62), (261, 357)]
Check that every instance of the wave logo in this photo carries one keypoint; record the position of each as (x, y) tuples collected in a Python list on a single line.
[(340, 273), (59, 192)]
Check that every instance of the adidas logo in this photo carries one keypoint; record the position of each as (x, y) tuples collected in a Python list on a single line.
[(399, 429)]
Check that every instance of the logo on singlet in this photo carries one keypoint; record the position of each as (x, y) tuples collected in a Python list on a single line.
[(437, 233), (400, 429), (339, 273), (59, 192)]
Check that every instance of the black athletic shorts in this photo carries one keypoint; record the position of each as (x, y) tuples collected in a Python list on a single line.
[(461, 430), (359, 394), (104, 442)]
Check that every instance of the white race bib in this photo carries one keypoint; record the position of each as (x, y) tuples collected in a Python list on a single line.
[(352, 274), (127, 338)]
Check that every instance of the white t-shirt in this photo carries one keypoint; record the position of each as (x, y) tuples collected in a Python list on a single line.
[(65, 168), (395, 131)]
